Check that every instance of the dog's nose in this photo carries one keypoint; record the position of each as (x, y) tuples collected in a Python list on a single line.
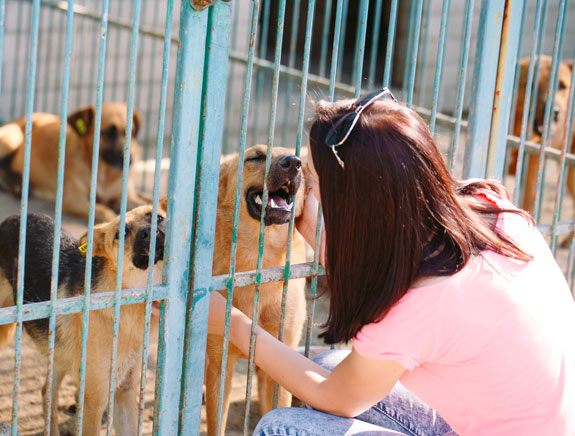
[(290, 163), (556, 111), (144, 234)]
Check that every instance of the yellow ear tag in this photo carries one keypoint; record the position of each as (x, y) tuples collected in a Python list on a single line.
[(83, 248), (81, 126)]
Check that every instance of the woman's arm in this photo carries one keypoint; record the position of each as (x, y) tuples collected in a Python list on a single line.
[(351, 388)]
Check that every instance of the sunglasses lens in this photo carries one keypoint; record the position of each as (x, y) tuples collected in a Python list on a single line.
[(340, 129)]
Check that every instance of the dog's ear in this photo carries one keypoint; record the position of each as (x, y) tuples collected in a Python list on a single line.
[(99, 240), (569, 64), (163, 204), (81, 120), (137, 120)]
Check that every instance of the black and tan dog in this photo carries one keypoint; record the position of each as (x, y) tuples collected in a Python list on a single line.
[(78, 159), (67, 355), (284, 180), (535, 132)]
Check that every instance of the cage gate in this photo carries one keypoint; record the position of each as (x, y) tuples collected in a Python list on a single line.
[(243, 74)]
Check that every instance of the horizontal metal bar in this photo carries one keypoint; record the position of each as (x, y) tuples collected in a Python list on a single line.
[(561, 228), (220, 283), (67, 306), (81, 11)]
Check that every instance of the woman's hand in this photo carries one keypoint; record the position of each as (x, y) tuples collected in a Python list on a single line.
[(306, 224), (217, 318)]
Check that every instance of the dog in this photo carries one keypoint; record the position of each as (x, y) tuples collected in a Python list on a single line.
[(67, 353), (78, 159), (284, 180), (535, 132)]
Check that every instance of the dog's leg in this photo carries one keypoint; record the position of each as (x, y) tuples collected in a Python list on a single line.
[(213, 389), (57, 380), (97, 379), (126, 404)]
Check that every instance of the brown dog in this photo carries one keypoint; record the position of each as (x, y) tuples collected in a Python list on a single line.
[(558, 121), (78, 163), (284, 180), (67, 353)]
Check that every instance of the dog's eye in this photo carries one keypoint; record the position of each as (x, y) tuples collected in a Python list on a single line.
[(160, 218), (562, 86), (256, 158)]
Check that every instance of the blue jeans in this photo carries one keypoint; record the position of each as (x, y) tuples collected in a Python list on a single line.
[(400, 413)]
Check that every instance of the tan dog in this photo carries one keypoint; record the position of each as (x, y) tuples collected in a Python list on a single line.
[(558, 121), (67, 353), (78, 163), (284, 180)]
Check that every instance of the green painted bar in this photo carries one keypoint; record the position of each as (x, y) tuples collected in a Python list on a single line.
[(360, 45), (58, 212), (439, 63), (390, 44), (229, 281), (207, 178), (24, 210)]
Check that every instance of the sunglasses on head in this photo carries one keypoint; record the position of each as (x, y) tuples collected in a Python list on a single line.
[(341, 130)]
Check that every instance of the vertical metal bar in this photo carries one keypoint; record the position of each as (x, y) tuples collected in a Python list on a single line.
[(527, 102), (335, 49), (439, 63), (413, 54), (483, 88), (341, 45), (518, 66), (559, 187), (265, 196), (570, 264), (91, 213), (325, 36), (462, 78), (123, 208), (237, 202), (408, 46), (360, 45), (231, 75), (58, 212), (208, 170), (118, 46), (156, 194), (260, 76), (59, 62), (299, 135), (374, 44), (291, 64), (24, 211), (185, 133), (17, 50), (311, 311), (550, 102), (504, 88), (423, 61), (390, 43), (2, 24)]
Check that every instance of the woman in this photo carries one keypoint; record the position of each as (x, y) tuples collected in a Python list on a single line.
[(443, 286)]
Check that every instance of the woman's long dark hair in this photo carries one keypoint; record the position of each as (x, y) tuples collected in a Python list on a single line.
[(393, 214)]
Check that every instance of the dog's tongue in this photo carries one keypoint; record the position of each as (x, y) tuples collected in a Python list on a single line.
[(277, 202)]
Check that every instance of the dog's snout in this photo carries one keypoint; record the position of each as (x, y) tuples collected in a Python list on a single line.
[(290, 163)]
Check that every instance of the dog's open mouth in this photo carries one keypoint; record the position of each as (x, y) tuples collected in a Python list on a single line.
[(279, 206)]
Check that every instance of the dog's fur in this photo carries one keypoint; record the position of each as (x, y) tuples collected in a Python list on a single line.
[(67, 355), (285, 172), (78, 159), (558, 121)]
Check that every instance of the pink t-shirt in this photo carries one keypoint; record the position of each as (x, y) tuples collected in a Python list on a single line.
[(492, 347)]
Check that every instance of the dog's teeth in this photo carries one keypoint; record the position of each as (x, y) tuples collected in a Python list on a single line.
[(290, 206), (285, 188), (258, 200), (273, 203)]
